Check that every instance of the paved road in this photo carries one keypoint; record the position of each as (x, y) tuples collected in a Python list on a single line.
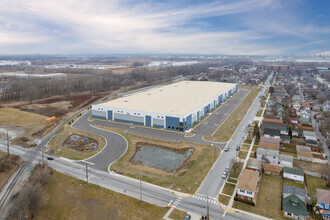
[(150, 193)]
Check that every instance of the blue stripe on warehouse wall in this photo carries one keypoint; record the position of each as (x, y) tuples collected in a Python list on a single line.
[(172, 123)]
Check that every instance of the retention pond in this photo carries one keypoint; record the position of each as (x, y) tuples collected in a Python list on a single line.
[(161, 158)]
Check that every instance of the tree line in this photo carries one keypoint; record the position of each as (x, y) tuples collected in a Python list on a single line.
[(30, 89)]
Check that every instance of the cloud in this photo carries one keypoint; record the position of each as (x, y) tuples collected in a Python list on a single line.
[(123, 26)]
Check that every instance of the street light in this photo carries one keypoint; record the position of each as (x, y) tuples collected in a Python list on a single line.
[(86, 162)]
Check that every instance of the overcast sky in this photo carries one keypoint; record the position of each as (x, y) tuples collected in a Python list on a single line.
[(246, 27)]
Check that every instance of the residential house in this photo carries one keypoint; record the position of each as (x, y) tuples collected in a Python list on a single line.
[(316, 107), (323, 202), (306, 106), (271, 169), (296, 174), (275, 125), (289, 190), (296, 105), (294, 207), (254, 164), (305, 156), (274, 156), (303, 148), (285, 138), (247, 186), (269, 146), (296, 98), (270, 140), (275, 133), (326, 106)]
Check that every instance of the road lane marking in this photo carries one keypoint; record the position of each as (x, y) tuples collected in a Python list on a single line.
[(169, 204), (224, 214)]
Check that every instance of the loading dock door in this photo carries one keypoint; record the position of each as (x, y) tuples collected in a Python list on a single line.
[(109, 115), (148, 120)]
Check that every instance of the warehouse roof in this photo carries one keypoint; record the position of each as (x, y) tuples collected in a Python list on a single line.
[(180, 98)]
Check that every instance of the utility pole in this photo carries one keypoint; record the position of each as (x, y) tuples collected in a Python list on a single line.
[(207, 207), (43, 157), (7, 144), (86, 173), (174, 178), (86, 162), (140, 185)]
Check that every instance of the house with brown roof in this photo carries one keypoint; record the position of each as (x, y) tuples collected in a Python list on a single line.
[(305, 156), (247, 186), (269, 146), (270, 140), (303, 148), (323, 202), (254, 164), (272, 170)]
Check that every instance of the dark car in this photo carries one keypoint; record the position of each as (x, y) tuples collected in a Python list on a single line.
[(187, 217), (50, 158), (238, 148)]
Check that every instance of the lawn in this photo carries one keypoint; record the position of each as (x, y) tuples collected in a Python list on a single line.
[(259, 113), (232, 180), (177, 214), (235, 173), (245, 147), (293, 183), (189, 176), (30, 123), (290, 154), (313, 167), (255, 147), (228, 189), (313, 183), (242, 154), (12, 164), (226, 130), (224, 199), (59, 139), (68, 198), (268, 200), (247, 141)]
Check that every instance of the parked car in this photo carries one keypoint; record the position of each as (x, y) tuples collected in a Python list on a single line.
[(187, 217), (227, 169), (224, 176), (238, 148), (50, 158), (226, 149)]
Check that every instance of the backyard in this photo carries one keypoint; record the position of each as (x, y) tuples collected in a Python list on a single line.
[(268, 201), (313, 183)]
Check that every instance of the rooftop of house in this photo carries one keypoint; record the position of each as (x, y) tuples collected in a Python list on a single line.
[(293, 204), (268, 152), (295, 171), (269, 146), (294, 190), (323, 196), (272, 132), (304, 154), (254, 163), (303, 148), (272, 168), (248, 180), (270, 140)]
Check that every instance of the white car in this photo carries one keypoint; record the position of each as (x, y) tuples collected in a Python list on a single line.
[(226, 149)]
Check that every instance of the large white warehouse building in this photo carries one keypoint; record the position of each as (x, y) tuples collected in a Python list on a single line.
[(176, 106)]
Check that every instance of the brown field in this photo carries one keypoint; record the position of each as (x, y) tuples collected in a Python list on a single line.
[(68, 198), (9, 167)]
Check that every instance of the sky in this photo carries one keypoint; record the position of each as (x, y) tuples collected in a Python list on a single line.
[(224, 27)]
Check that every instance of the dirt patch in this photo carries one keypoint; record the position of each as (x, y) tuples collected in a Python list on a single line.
[(80, 143), (8, 165)]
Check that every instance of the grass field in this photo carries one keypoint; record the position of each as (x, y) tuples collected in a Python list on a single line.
[(232, 180), (58, 140), (313, 167), (259, 113), (224, 199), (68, 198), (177, 214), (189, 177), (293, 183), (237, 171), (242, 154), (14, 162), (313, 183), (226, 130), (31, 123), (245, 147), (268, 200), (228, 189)]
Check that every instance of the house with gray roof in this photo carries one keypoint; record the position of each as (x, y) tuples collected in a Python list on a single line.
[(274, 156), (294, 207), (296, 174), (293, 190)]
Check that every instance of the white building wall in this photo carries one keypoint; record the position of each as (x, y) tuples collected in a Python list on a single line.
[(293, 177)]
